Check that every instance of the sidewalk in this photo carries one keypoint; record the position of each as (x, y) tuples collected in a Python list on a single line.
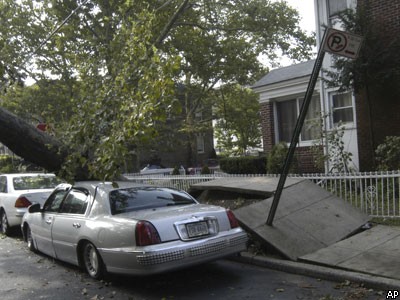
[(374, 251), (321, 272)]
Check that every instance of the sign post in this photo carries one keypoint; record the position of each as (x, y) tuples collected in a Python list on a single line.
[(336, 42)]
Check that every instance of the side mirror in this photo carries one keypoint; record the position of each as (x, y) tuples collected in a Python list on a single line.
[(34, 208)]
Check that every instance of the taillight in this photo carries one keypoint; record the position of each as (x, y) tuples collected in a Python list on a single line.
[(232, 219), (22, 202), (146, 234)]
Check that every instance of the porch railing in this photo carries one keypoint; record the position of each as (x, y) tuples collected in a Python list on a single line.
[(376, 194)]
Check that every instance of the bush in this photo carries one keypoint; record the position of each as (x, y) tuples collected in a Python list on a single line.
[(175, 171), (276, 159), (205, 170), (15, 164), (9, 164), (388, 154), (243, 165)]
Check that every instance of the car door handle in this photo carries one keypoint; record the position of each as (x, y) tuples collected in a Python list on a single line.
[(49, 220), (76, 225)]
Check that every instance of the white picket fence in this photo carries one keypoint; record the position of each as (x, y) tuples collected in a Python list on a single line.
[(377, 194)]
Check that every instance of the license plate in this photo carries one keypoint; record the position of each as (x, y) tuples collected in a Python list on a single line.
[(197, 229)]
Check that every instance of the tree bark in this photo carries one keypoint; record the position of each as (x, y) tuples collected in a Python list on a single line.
[(30, 143)]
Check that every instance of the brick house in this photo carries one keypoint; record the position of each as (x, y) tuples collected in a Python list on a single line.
[(367, 116), (175, 148)]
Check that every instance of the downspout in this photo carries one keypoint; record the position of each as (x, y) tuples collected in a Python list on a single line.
[(322, 92)]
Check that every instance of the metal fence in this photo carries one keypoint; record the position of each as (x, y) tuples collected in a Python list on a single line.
[(182, 182), (376, 194)]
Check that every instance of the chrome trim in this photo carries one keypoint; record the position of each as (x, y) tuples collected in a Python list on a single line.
[(155, 259), (200, 249), (212, 225)]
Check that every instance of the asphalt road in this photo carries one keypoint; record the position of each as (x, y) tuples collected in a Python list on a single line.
[(26, 275)]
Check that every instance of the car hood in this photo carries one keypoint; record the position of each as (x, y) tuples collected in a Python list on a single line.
[(164, 218)]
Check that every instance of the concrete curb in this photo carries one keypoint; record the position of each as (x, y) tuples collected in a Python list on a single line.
[(321, 272)]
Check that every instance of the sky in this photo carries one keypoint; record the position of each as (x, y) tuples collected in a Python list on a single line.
[(306, 11), (307, 22)]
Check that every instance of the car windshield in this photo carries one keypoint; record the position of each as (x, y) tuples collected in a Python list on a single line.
[(35, 182), (131, 199)]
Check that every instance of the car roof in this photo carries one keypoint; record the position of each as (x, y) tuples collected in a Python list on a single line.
[(107, 186)]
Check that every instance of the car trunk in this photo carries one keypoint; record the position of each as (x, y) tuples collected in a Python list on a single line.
[(39, 196), (168, 220)]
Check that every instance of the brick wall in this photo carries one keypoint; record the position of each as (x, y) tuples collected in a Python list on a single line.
[(378, 108), (384, 12), (267, 125), (305, 161)]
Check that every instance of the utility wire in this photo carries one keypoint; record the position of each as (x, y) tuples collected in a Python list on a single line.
[(59, 27)]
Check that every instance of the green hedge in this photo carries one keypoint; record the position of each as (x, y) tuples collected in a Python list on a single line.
[(9, 164), (15, 164), (243, 165)]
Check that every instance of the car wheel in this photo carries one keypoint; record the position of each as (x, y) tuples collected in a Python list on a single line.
[(92, 261), (5, 229), (29, 239)]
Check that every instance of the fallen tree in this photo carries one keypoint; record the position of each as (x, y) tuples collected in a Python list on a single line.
[(34, 145)]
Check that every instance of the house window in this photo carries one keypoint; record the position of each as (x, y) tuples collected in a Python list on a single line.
[(198, 116), (311, 127), (336, 6), (342, 108), (287, 114), (200, 143)]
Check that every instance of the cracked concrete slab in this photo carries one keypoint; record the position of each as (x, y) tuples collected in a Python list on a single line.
[(308, 217), (374, 251)]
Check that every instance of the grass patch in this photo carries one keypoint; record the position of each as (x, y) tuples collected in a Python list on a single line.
[(386, 221)]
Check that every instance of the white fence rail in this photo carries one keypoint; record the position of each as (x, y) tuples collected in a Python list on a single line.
[(376, 194)]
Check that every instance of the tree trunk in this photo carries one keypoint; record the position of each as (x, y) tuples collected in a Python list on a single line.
[(30, 143)]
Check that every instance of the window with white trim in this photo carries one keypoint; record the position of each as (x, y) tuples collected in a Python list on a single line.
[(342, 108), (287, 113), (200, 143), (198, 116), (336, 6)]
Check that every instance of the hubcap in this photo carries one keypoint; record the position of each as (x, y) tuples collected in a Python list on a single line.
[(92, 260), (4, 222), (29, 238)]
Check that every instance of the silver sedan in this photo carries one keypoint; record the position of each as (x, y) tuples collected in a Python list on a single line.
[(130, 229)]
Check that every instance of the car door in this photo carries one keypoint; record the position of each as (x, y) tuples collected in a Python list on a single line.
[(68, 223), (5, 198), (42, 222), (3, 189)]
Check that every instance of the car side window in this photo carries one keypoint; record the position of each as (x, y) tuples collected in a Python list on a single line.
[(53, 203), (3, 184), (75, 203)]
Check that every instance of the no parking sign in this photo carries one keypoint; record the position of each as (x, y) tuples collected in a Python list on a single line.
[(342, 43)]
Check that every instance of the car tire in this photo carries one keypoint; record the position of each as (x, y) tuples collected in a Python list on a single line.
[(92, 261), (29, 239), (4, 227)]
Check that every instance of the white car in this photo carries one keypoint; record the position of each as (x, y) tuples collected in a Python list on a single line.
[(129, 228), (18, 192), (156, 170)]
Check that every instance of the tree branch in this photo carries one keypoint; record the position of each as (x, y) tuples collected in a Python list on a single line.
[(167, 28)]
